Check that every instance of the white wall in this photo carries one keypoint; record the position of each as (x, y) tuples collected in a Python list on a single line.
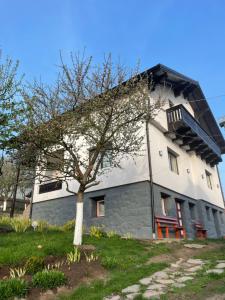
[(190, 184)]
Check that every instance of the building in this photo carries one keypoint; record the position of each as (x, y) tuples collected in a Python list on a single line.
[(175, 180)]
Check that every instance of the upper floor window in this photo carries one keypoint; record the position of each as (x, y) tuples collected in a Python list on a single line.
[(50, 187), (173, 161), (54, 160), (209, 179), (107, 159)]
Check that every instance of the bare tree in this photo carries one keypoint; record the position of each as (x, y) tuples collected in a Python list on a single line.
[(93, 113), (11, 109), (9, 182)]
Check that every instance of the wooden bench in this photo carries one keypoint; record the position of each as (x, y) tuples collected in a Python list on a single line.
[(200, 231), (168, 223)]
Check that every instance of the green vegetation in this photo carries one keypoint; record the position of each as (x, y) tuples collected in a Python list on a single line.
[(17, 248), (96, 232), (69, 225), (12, 288), (124, 259), (49, 279), (34, 264)]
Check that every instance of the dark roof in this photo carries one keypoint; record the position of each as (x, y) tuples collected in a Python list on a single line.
[(192, 92)]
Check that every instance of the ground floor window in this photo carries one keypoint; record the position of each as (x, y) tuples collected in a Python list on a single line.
[(165, 204), (221, 218), (98, 206), (192, 210), (207, 212)]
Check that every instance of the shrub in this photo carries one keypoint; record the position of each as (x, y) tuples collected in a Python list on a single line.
[(127, 236), (42, 226), (34, 264), (96, 232), (4, 220), (20, 224), (13, 288), (69, 226), (109, 262), (49, 279), (73, 256), (111, 234), (91, 257), (17, 272)]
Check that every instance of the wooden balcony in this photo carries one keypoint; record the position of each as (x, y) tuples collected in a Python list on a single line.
[(187, 132)]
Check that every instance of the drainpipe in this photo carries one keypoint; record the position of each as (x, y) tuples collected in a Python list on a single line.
[(150, 178), (221, 188)]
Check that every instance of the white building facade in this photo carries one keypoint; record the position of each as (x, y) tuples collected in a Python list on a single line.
[(175, 180)]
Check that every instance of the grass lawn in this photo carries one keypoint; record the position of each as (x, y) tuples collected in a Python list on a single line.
[(123, 259), (124, 262)]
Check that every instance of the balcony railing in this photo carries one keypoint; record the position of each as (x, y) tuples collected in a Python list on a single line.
[(186, 129)]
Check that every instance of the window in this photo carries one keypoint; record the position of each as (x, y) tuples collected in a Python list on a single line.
[(221, 218), (100, 206), (55, 160), (50, 187), (164, 204), (173, 161), (207, 212), (107, 159), (208, 179), (192, 210)]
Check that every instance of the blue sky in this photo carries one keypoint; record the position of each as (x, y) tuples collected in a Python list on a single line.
[(188, 36)]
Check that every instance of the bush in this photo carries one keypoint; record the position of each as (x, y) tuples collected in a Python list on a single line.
[(42, 226), (20, 224), (96, 232), (49, 279), (13, 288), (111, 234), (4, 220), (69, 226), (34, 264), (73, 256)]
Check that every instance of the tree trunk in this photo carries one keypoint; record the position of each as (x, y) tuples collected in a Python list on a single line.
[(77, 241), (4, 205)]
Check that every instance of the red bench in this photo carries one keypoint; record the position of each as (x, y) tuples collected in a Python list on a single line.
[(200, 231), (168, 223)]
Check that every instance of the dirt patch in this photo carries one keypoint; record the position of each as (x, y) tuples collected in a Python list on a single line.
[(77, 274), (4, 272)]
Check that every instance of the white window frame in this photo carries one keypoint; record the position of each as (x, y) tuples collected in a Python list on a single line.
[(208, 176), (107, 159), (173, 162), (98, 213)]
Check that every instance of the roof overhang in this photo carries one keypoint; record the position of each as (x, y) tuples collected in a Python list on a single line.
[(191, 91)]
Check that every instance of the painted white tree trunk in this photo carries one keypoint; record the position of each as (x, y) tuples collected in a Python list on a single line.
[(4, 205), (79, 224)]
